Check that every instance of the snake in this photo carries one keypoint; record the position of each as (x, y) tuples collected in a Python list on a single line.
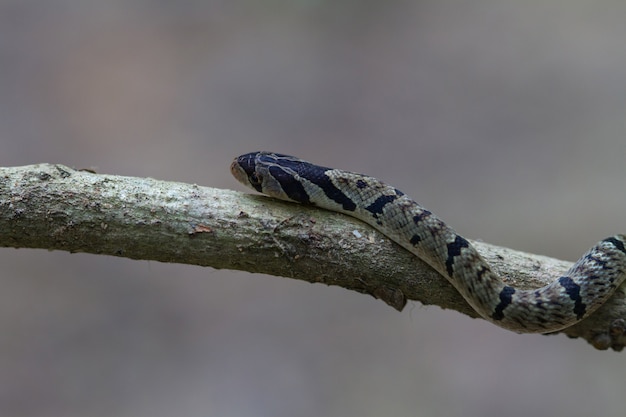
[(563, 302)]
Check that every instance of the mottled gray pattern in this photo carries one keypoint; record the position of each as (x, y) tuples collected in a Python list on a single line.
[(567, 300)]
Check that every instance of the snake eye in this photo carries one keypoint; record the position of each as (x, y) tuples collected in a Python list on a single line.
[(255, 179)]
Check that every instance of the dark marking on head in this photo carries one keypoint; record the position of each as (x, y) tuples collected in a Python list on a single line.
[(291, 163), (573, 290), (415, 240), (506, 298), (454, 249), (294, 189), (282, 168), (317, 175), (377, 206), (617, 243), (398, 192)]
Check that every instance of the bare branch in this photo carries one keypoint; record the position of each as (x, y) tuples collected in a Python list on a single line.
[(59, 208)]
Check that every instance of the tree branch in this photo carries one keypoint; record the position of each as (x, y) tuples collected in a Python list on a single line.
[(59, 208)]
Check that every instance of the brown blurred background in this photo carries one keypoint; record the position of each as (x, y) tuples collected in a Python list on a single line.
[(506, 118)]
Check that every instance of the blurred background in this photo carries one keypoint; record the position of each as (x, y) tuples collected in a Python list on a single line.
[(505, 118)]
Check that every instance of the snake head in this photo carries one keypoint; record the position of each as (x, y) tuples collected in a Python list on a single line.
[(243, 169), (270, 173)]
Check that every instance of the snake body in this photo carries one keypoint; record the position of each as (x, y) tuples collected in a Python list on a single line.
[(560, 304)]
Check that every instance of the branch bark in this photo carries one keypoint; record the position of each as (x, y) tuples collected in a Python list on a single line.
[(58, 208)]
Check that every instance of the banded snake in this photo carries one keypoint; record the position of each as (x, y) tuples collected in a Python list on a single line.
[(560, 304)]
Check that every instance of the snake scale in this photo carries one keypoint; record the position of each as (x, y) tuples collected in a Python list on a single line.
[(560, 304)]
